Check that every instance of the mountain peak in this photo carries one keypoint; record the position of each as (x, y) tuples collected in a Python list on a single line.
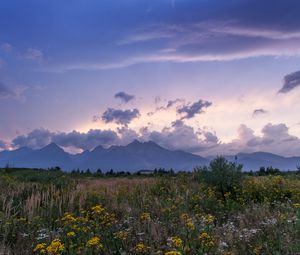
[(135, 142), (98, 148), (52, 147), (24, 149)]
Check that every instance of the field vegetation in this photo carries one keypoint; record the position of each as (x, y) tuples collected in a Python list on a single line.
[(212, 210)]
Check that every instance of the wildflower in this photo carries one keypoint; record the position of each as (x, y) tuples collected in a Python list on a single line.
[(188, 221), (98, 209), (177, 242), (94, 241), (108, 219), (122, 235), (40, 247), (172, 253), (68, 218), (257, 250), (184, 217), (71, 234), (297, 205), (145, 217), (190, 224), (206, 240), (227, 195), (42, 236), (56, 247), (141, 248), (211, 193), (208, 219)]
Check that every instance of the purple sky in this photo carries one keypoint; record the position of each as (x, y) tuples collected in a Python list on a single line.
[(205, 76)]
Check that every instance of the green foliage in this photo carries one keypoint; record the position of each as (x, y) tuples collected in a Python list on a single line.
[(225, 176)]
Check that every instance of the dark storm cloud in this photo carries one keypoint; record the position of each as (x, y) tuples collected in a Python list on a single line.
[(259, 112), (290, 82), (191, 110), (123, 117), (124, 96)]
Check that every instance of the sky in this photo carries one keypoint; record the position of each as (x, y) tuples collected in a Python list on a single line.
[(204, 76)]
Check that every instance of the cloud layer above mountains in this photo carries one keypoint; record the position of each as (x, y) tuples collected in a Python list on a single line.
[(273, 138)]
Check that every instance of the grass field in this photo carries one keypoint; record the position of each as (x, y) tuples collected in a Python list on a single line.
[(51, 212)]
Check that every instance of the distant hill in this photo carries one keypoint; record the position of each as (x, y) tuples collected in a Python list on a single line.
[(253, 161), (133, 157)]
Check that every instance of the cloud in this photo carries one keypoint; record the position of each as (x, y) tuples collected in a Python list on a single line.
[(3, 145), (16, 93), (290, 82), (191, 110), (182, 137), (33, 54), (6, 92), (6, 47), (274, 138), (123, 117), (259, 111), (124, 96), (169, 105), (198, 32), (38, 138), (86, 141)]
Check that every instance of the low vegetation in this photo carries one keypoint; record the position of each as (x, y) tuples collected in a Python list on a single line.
[(213, 210)]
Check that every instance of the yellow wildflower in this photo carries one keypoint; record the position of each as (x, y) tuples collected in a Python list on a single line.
[(188, 221), (208, 219), (39, 247), (257, 250), (297, 205), (206, 240), (141, 248), (177, 242), (94, 241), (145, 216), (184, 217), (56, 247), (71, 234), (172, 253), (122, 235), (98, 209), (190, 224), (68, 218)]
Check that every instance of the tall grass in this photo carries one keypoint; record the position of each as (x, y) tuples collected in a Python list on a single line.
[(55, 213)]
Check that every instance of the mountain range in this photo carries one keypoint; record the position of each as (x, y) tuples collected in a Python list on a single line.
[(133, 157)]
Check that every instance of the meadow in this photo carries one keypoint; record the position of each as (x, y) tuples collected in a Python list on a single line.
[(214, 210)]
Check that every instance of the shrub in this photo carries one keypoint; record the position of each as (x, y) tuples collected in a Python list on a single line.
[(224, 175)]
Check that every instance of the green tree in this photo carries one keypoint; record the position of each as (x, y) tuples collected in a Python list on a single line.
[(224, 175)]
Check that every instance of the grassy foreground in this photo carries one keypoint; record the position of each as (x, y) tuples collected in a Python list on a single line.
[(50, 212)]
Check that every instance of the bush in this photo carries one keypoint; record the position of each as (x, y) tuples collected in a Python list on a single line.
[(224, 175)]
